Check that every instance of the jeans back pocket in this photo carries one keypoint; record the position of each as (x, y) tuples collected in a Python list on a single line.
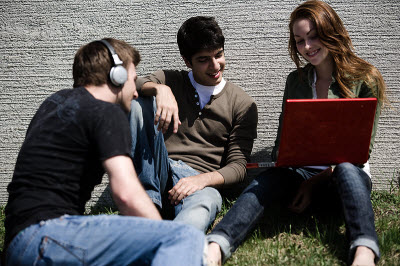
[(53, 252)]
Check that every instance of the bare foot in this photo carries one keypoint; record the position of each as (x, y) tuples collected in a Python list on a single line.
[(214, 254), (364, 257)]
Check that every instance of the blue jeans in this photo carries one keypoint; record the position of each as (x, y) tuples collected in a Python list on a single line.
[(279, 185), (158, 173), (106, 240)]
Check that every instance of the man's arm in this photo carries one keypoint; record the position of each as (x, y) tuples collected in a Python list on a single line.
[(240, 143), (239, 149), (167, 107), (127, 191)]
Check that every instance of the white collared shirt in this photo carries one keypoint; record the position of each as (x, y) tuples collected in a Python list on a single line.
[(205, 92)]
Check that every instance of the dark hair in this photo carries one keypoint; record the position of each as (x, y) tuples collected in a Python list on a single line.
[(93, 62), (199, 33), (334, 36)]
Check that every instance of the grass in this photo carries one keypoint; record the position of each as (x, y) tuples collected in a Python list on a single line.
[(285, 239)]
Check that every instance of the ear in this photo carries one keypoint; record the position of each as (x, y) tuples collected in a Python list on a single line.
[(188, 64)]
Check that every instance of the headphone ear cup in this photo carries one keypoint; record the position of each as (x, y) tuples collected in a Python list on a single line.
[(118, 75)]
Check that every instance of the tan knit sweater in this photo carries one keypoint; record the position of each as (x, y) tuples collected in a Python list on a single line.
[(218, 137)]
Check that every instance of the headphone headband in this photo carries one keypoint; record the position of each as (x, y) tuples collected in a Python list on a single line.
[(114, 55)]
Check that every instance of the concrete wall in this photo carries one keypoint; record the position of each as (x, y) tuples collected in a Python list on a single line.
[(39, 38)]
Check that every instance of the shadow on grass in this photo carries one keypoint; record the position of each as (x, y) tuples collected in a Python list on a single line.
[(327, 228), (282, 237)]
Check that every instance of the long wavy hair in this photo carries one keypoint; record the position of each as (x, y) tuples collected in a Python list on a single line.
[(348, 67)]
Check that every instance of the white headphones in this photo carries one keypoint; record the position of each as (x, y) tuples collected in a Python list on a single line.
[(118, 74)]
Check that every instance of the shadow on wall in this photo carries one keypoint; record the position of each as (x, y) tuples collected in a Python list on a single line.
[(106, 202), (263, 155)]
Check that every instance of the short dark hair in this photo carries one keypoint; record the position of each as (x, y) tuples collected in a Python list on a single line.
[(93, 62), (199, 33)]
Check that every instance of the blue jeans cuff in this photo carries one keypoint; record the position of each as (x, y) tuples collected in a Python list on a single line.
[(367, 242), (223, 244)]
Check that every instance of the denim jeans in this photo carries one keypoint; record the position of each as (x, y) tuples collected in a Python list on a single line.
[(158, 173), (106, 240), (279, 185)]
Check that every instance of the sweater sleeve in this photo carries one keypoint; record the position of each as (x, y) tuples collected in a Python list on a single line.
[(240, 144), (156, 77)]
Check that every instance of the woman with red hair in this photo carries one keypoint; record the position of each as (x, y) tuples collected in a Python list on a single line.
[(327, 67)]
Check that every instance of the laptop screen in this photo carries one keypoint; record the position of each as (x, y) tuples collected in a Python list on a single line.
[(326, 131)]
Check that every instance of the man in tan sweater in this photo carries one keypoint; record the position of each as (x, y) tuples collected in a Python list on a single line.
[(193, 131)]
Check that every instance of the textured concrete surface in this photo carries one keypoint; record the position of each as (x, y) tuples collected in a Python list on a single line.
[(38, 40)]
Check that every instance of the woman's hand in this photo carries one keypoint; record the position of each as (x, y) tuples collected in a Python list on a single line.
[(303, 197)]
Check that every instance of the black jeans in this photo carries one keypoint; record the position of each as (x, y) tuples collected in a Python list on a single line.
[(274, 185)]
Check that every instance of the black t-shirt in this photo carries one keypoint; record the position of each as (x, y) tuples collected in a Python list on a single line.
[(60, 160)]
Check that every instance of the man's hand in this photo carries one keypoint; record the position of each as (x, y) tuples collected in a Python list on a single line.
[(167, 109), (188, 185), (303, 197), (184, 188)]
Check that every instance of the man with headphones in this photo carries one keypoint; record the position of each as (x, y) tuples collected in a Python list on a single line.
[(75, 136)]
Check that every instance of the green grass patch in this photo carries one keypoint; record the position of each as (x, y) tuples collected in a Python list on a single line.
[(289, 239), (286, 239), (387, 221)]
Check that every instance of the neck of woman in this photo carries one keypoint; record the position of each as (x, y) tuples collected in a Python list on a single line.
[(324, 70)]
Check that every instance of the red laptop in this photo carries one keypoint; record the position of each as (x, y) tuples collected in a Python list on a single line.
[(325, 132)]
